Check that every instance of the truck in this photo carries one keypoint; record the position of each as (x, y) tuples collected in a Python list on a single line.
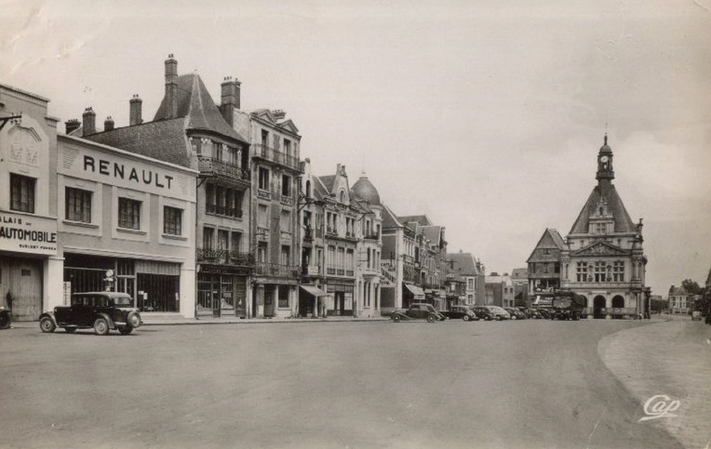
[(562, 304)]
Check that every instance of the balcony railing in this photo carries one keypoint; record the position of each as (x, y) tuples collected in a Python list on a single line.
[(308, 234), (270, 154), (211, 165), (287, 200), (275, 269), (331, 231), (235, 212), (375, 237), (224, 257)]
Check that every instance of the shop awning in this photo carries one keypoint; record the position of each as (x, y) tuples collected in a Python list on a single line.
[(416, 291), (314, 291)]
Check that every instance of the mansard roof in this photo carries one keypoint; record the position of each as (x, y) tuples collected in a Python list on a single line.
[(464, 264), (419, 219), (390, 220), (195, 103), (607, 193)]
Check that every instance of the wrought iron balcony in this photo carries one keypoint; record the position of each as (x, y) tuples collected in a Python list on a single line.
[(224, 257), (235, 212), (274, 269), (374, 236), (276, 156), (216, 167)]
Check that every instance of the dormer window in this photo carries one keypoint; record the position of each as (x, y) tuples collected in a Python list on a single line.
[(342, 196)]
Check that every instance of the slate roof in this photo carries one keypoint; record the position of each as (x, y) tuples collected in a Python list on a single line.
[(195, 103), (419, 219), (164, 140), (519, 273), (328, 182), (433, 233), (463, 263), (390, 220), (365, 190), (548, 247), (320, 189), (606, 191)]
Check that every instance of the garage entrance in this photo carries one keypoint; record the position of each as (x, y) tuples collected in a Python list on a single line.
[(21, 287), (599, 304)]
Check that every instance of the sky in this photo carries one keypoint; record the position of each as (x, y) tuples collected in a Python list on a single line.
[(486, 116)]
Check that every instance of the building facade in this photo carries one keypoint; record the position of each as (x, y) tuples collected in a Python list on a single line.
[(544, 263), (471, 270), (603, 258), (30, 259), (127, 224)]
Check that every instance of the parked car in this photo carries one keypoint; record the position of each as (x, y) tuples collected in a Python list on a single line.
[(5, 318), (102, 311), (499, 313), (464, 313), (483, 313), (515, 313), (533, 314), (417, 311), (545, 314)]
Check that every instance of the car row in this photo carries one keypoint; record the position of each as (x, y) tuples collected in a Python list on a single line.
[(427, 312)]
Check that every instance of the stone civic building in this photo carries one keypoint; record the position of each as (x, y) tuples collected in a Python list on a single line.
[(603, 258)]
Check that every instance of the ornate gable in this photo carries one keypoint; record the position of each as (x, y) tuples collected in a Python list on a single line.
[(600, 249), (266, 115), (289, 126)]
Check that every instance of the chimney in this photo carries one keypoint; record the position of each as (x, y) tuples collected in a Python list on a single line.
[(89, 121), (229, 99), (108, 124), (135, 110), (278, 114), (71, 125), (171, 86)]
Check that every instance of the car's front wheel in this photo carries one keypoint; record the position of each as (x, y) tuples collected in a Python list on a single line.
[(396, 319), (466, 318), (125, 330), (431, 318), (47, 325), (101, 326)]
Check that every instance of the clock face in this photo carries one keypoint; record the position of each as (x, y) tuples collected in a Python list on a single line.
[(603, 159)]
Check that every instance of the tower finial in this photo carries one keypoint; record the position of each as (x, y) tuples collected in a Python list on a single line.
[(605, 138)]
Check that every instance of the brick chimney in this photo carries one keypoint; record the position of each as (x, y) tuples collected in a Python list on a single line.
[(89, 121), (171, 86), (135, 111), (229, 98), (108, 124), (72, 125)]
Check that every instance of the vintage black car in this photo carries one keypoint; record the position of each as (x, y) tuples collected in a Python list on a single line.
[(483, 313), (5, 318), (102, 311), (417, 311), (533, 314), (515, 313), (464, 313)]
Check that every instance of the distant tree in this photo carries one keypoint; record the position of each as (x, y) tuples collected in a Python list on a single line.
[(692, 287), (659, 304)]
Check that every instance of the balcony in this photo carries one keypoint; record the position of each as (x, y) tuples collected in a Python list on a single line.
[(214, 167), (308, 234), (287, 200), (224, 257), (274, 269), (331, 231), (276, 156), (234, 212), (374, 237), (264, 194)]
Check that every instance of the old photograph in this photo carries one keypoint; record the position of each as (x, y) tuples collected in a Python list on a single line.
[(355, 224)]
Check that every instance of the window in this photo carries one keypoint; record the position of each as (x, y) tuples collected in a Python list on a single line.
[(236, 241), (287, 147), (618, 271), (581, 272), (285, 255), (470, 284), (340, 261), (220, 200), (283, 296), (210, 198), (285, 221), (172, 221), (207, 237), (263, 178), (262, 216), (129, 214), (22, 193), (262, 248), (265, 137), (78, 205), (350, 256), (285, 185), (600, 271)]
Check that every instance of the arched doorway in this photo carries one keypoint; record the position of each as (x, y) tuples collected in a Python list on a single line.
[(618, 302), (599, 304)]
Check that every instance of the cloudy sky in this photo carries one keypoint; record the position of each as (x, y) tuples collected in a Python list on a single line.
[(487, 116)]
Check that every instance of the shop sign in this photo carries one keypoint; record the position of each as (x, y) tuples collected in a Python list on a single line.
[(28, 234)]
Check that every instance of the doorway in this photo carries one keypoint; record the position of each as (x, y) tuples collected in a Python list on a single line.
[(599, 304), (21, 287)]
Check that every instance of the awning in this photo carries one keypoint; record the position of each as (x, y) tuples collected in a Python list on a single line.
[(416, 291), (314, 291)]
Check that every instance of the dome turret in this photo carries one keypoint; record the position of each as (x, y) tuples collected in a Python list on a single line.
[(365, 190)]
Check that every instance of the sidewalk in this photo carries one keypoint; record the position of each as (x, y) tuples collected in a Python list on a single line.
[(170, 320), (670, 356)]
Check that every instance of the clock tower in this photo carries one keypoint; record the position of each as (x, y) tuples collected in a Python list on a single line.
[(604, 163)]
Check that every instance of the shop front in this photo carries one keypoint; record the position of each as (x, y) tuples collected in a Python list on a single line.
[(340, 300), (222, 292)]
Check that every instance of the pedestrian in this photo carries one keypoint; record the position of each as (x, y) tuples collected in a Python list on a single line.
[(9, 299)]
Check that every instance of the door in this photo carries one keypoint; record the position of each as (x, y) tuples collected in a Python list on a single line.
[(21, 281), (599, 307)]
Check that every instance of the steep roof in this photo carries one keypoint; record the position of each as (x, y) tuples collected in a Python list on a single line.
[(607, 193), (164, 140), (365, 190), (195, 103), (519, 273), (419, 219), (390, 220), (548, 247), (463, 263), (433, 233), (327, 182)]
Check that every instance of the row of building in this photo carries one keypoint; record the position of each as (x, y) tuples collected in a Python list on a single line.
[(205, 210)]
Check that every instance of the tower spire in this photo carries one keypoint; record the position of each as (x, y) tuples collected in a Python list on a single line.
[(604, 163)]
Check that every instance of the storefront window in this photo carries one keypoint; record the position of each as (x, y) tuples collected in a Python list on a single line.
[(283, 296)]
